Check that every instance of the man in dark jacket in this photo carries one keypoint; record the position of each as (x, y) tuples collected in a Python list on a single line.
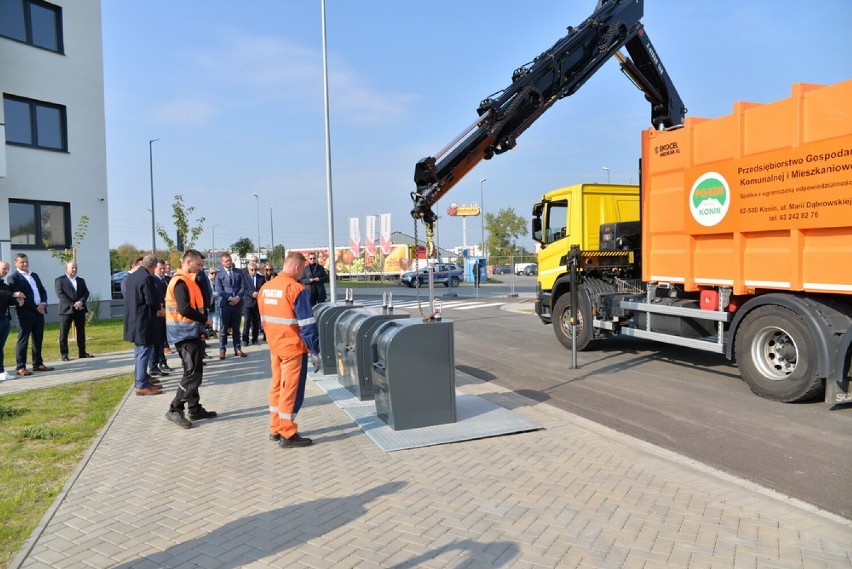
[(251, 317), (30, 315), (314, 279), (7, 299), (72, 293), (141, 310)]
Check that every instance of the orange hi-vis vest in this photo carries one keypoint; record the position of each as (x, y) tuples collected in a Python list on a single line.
[(276, 304), (179, 327)]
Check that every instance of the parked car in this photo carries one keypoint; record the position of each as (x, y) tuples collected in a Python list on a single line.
[(531, 269), (115, 285), (445, 273), (502, 270), (519, 267)]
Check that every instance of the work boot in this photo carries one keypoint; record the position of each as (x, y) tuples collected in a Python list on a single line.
[(178, 419), (201, 413), (295, 441)]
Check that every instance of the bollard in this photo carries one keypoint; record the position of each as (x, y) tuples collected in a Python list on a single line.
[(413, 373)]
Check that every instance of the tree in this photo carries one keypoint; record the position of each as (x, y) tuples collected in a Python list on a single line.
[(276, 256), (186, 235), (504, 229), (126, 253), (65, 255), (242, 247)]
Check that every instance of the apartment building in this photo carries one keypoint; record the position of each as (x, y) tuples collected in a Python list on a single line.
[(52, 138)]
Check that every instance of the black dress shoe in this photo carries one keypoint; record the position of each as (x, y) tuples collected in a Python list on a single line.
[(65, 358), (86, 355), (155, 372)]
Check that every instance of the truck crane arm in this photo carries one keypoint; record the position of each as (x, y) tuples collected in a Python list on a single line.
[(537, 85)]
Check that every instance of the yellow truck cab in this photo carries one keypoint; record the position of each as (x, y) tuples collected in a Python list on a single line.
[(573, 216)]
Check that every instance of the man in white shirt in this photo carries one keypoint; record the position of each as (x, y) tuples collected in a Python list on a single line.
[(73, 294), (30, 315)]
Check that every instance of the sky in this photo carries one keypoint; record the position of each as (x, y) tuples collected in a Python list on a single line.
[(233, 91)]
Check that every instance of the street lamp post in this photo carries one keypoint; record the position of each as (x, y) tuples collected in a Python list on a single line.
[(213, 238), (271, 234), (257, 200), (607, 173), (151, 171), (482, 211)]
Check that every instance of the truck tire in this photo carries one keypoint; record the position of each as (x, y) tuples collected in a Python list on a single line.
[(777, 356), (562, 321)]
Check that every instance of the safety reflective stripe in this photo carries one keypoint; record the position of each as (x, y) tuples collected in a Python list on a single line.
[(290, 416), (277, 320), (307, 321), (273, 409)]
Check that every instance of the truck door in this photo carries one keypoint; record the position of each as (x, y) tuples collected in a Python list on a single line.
[(554, 228)]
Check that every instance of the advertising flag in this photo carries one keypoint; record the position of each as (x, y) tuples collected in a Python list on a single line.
[(370, 235), (386, 233), (354, 236)]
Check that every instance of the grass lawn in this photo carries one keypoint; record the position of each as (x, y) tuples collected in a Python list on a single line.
[(102, 336), (44, 434)]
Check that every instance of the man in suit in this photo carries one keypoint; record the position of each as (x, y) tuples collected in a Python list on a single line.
[(230, 289), (7, 299), (30, 315), (141, 310), (72, 293), (251, 316), (159, 365)]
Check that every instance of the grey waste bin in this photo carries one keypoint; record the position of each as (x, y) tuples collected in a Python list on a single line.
[(353, 345), (414, 376), (326, 315)]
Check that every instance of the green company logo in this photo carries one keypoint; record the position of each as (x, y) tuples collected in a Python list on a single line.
[(709, 199)]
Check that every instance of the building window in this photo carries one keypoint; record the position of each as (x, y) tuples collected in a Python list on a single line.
[(33, 22), (35, 123), (35, 225)]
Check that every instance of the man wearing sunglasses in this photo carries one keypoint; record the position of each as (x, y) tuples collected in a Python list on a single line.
[(314, 279)]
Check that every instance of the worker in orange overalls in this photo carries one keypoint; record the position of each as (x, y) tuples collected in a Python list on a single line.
[(291, 332)]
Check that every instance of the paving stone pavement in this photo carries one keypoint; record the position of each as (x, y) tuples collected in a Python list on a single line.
[(575, 494)]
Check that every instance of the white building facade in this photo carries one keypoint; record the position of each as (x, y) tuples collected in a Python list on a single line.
[(52, 129)]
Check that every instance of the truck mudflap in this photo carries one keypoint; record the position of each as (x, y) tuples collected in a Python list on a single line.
[(837, 391)]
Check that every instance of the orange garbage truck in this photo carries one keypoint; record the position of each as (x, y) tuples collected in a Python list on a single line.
[(743, 247)]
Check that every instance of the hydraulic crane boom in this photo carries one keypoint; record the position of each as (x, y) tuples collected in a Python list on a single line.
[(556, 73)]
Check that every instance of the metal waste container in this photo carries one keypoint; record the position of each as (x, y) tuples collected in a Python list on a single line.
[(326, 315), (414, 376), (353, 347)]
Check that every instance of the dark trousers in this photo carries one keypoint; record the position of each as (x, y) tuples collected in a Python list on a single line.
[(251, 321), (27, 327), (230, 318), (159, 355), (78, 318), (192, 359), (5, 326)]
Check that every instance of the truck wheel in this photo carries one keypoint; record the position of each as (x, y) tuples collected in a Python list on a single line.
[(776, 355), (562, 321), (454, 281)]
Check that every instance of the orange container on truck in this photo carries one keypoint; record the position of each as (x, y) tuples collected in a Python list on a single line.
[(745, 247)]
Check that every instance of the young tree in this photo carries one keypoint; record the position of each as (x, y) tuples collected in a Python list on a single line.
[(65, 255), (504, 229), (186, 235), (242, 247)]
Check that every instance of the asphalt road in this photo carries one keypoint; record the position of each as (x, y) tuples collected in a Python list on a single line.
[(687, 401)]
